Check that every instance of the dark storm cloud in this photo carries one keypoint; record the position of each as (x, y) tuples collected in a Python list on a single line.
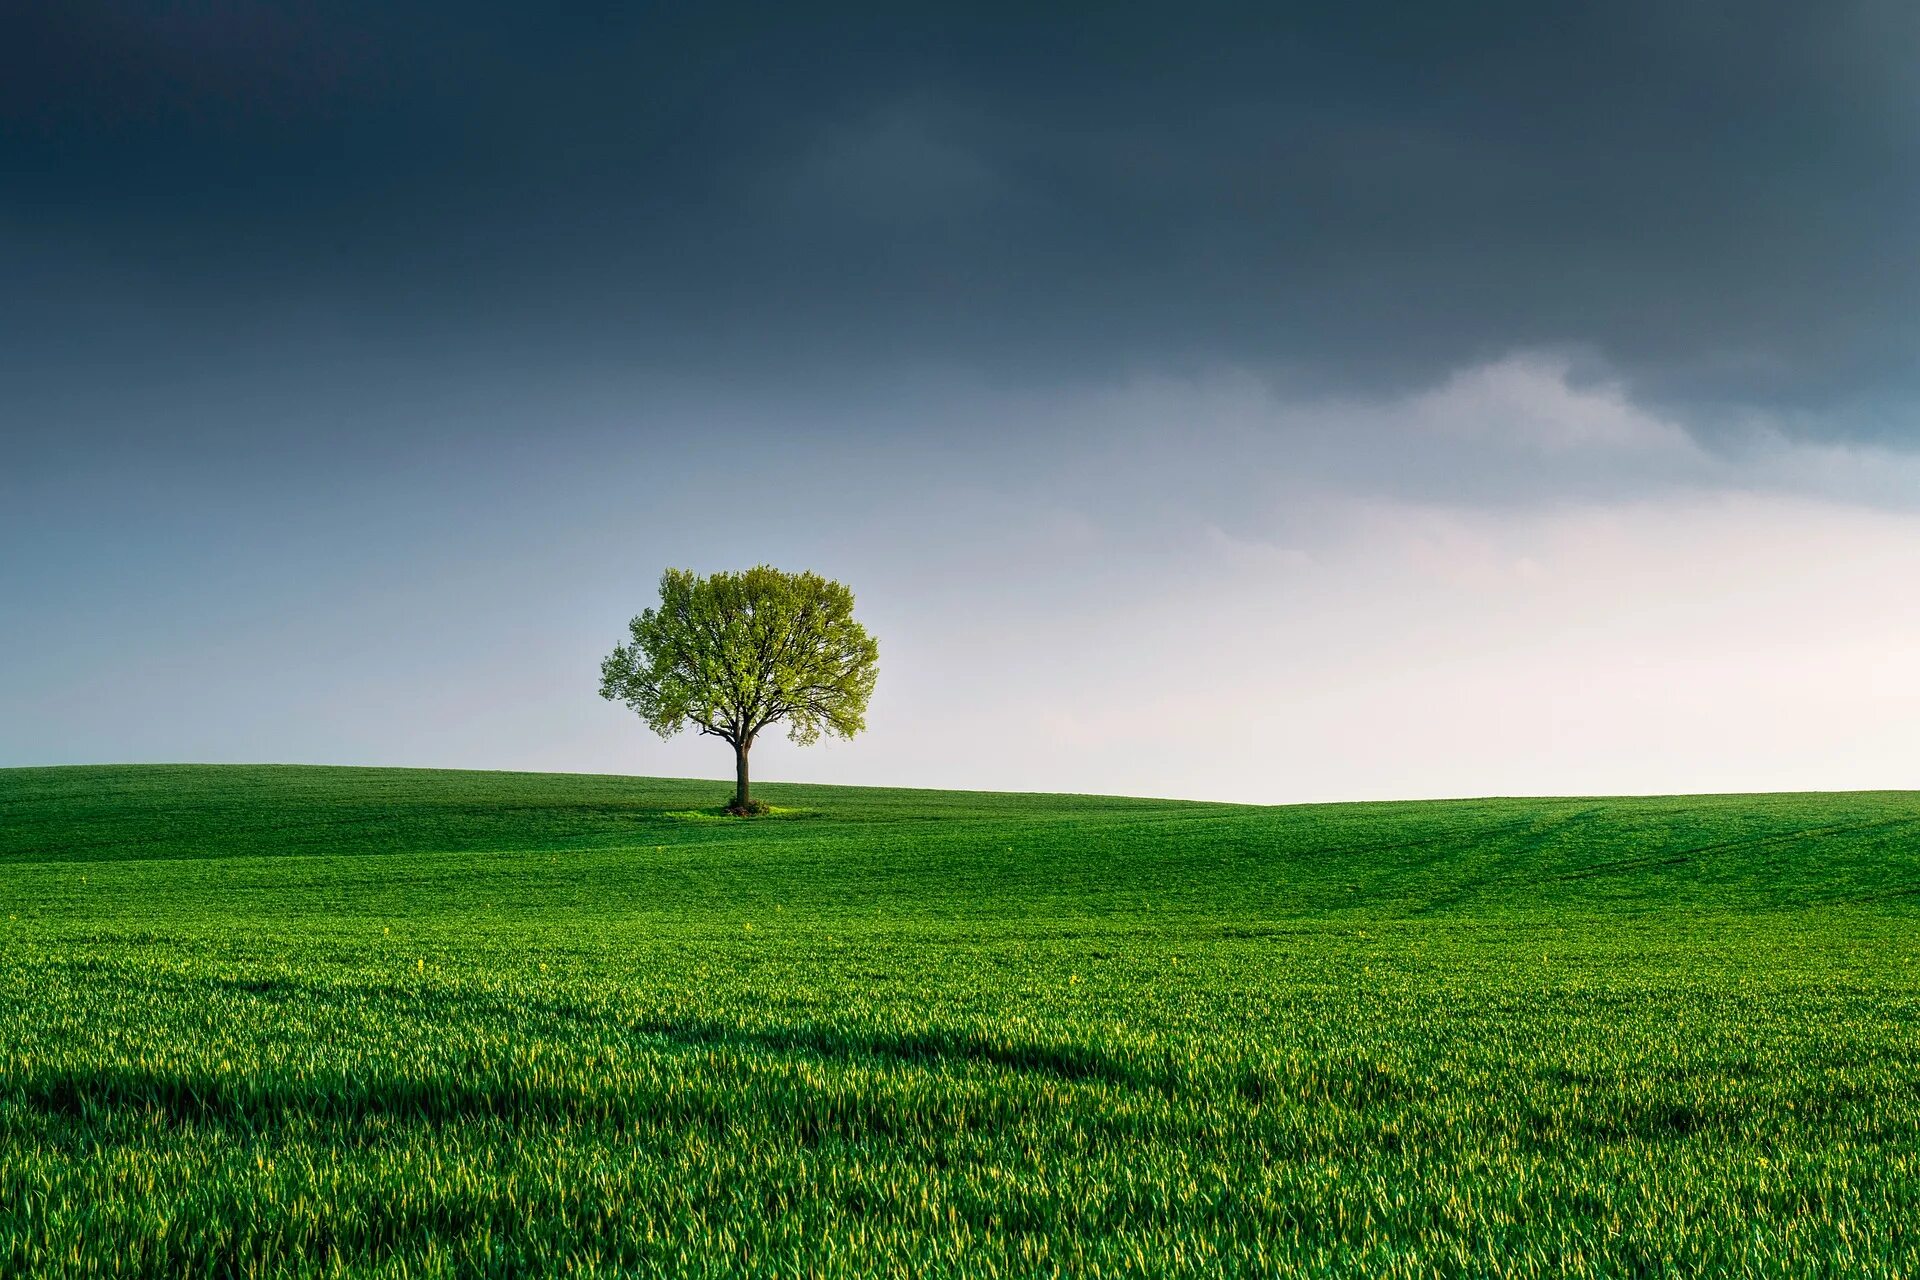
[(1719, 200)]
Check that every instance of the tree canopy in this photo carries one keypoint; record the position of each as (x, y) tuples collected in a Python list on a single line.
[(733, 654)]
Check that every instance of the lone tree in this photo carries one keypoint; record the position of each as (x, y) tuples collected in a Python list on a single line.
[(737, 652)]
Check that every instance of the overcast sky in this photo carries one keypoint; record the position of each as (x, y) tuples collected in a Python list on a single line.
[(1400, 401)]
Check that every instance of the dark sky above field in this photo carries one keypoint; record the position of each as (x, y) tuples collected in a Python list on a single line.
[(1226, 401)]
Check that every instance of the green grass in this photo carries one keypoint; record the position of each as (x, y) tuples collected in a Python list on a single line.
[(311, 1021)]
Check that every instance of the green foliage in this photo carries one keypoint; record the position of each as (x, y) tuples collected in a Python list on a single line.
[(313, 1021), (734, 653)]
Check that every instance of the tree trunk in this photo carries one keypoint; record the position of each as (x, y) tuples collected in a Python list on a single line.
[(740, 797)]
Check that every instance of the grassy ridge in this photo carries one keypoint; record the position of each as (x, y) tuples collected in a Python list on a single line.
[(401, 1022)]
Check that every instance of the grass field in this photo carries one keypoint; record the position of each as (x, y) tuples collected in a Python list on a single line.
[(296, 1020)]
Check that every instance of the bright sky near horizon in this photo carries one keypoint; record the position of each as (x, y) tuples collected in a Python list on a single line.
[(1301, 407)]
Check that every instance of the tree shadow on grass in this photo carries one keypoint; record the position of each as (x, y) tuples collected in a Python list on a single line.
[(721, 813)]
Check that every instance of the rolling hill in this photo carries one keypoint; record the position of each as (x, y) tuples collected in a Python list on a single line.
[(304, 1020)]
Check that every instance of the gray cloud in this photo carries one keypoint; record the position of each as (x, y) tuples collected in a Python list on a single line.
[(1718, 199)]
